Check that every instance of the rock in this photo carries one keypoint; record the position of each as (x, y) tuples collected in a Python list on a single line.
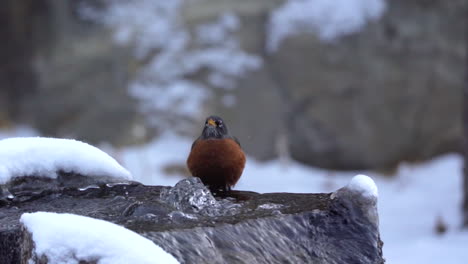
[(65, 75), (17, 77), (15, 246), (368, 100), (195, 227)]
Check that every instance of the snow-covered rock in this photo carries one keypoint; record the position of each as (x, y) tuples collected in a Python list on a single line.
[(68, 238), (45, 157), (187, 222), (360, 191), (364, 185)]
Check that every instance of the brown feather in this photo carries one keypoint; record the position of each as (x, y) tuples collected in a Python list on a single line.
[(217, 162)]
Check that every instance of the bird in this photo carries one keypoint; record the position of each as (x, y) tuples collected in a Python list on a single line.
[(216, 157)]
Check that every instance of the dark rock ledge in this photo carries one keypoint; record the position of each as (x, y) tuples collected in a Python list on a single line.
[(188, 222)]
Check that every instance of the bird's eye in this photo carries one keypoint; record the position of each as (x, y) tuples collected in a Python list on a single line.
[(219, 123)]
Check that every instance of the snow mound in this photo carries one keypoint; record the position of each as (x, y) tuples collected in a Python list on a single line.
[(328, 19), (68, 238), (44, 157), (364, 185)]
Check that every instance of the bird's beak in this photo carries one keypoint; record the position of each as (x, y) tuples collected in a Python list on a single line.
[(211, 122)]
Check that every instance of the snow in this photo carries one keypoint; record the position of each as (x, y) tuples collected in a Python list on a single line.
[(409, 202), (328, 19), (175, 94), (218, 32), (365, 185), (68, 238), (38, 156), (174, 52)]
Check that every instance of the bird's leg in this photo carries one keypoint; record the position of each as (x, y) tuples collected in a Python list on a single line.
[(222, 191), (225, 188), (213, 190)]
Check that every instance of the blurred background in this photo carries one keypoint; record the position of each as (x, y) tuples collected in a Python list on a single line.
[(315, 90)]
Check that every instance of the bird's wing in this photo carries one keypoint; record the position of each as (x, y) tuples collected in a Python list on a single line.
[(193, 144), (236, 140)]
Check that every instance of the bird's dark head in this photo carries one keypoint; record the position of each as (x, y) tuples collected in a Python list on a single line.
[(214, 128)]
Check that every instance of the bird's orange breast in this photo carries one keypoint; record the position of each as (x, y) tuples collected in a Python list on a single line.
[(217, 162)]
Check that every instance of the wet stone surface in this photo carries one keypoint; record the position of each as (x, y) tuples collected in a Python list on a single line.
[(197, 227)]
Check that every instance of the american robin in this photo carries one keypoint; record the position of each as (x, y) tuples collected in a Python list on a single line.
[(216, 157)]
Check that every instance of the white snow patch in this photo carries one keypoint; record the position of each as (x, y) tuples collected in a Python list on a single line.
[(269, 206), (38, 156), (182, 96), (328, 19), (68, 238), (365, 185), (218, 32)]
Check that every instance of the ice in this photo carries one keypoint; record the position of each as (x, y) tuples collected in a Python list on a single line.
[(68, 238), (44, 157), (88, 187), (189, 195)]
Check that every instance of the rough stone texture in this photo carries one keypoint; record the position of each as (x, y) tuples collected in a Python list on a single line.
[(196, 227), (369, 100), (397, 85), (15, 246)]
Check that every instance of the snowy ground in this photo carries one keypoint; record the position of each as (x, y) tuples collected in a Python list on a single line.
[(410, 202)]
